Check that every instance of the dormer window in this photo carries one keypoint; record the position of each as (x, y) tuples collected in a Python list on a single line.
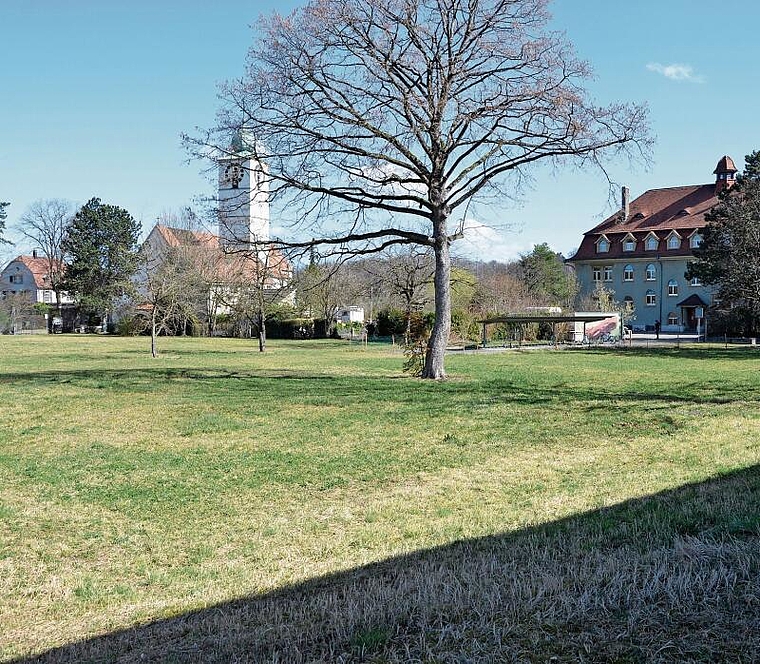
[(674, 241), (652, 242), (629, 243), (695, 240), (602, 245)]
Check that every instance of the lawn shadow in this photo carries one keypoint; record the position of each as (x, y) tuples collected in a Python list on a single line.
[(686, 351), (357, 389), (670, 577)]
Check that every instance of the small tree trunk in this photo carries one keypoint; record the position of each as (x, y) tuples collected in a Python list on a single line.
[(439, 339), (262, 334), (153, 334)]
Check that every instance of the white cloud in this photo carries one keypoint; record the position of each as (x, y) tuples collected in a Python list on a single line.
[(485, 243), (676, 72)]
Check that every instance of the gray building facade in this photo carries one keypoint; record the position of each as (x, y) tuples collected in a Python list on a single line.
[(642, 253)]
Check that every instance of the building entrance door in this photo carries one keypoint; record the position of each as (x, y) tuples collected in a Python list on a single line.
[(689, 318)]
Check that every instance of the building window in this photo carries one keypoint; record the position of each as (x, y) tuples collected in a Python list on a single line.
[(16, 279), (695, 281), (651, 298), (603, 246), (674, 242), (628, 303), (651, 243), (651, 272), (608, 272), (628, 273), (629, 244), (672, 319), (695, 240), (597, 273), (672, 288), (47, 296)]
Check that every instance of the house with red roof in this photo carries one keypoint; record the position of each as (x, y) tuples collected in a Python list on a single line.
[(642, 253), (30, 275)]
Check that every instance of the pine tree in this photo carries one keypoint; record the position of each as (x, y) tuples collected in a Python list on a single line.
[(3, 217), (101, 244), (729, 256)]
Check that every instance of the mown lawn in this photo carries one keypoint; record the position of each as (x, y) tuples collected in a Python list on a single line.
[(134, 489)]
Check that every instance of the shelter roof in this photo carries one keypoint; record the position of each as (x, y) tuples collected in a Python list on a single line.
[(692, 301), (549, 319)]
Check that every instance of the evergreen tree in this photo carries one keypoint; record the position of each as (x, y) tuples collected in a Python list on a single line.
[(101, 244), (545, 277), (3, 217), (729, 256)]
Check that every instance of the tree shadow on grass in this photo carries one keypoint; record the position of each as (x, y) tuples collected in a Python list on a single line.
[(670, 577), (686, 351), (347, 390)]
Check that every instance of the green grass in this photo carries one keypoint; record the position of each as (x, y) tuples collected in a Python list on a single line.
[(134, 489)]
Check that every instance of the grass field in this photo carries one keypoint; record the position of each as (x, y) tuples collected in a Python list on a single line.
[(315, 504)]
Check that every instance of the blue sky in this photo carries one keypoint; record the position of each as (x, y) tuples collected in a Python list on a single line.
[(95, 93)]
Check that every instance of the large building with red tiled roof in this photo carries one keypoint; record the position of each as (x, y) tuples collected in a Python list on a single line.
[(642, 252)]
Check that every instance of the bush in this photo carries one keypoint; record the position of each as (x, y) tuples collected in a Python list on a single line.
[(290, 328), (391, 321)]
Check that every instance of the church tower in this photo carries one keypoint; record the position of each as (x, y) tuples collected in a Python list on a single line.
[(243, 195)]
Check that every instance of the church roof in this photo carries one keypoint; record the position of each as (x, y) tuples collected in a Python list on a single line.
[(227, 267), (178, 237)]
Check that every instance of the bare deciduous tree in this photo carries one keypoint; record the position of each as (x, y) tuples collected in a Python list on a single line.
[(407, 275), (250, 283), (164, 290), (45, 223), (383, 121)]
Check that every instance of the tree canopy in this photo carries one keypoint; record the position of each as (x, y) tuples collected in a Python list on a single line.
[(729, 256), (101, 244), (3, 217), (546, 278), (45, 223), (384, 122)]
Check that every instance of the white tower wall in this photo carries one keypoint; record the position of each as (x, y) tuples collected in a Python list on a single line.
[(243, 202)]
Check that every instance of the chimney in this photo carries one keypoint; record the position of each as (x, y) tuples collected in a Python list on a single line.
[(625, 204), (34, 253)]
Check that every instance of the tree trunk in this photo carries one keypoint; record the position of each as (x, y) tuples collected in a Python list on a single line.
[(262, 334), (439, 338), (153, 348)]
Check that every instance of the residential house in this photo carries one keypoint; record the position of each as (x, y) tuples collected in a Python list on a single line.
[(642, 253), (350, 314), (28, 280)]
